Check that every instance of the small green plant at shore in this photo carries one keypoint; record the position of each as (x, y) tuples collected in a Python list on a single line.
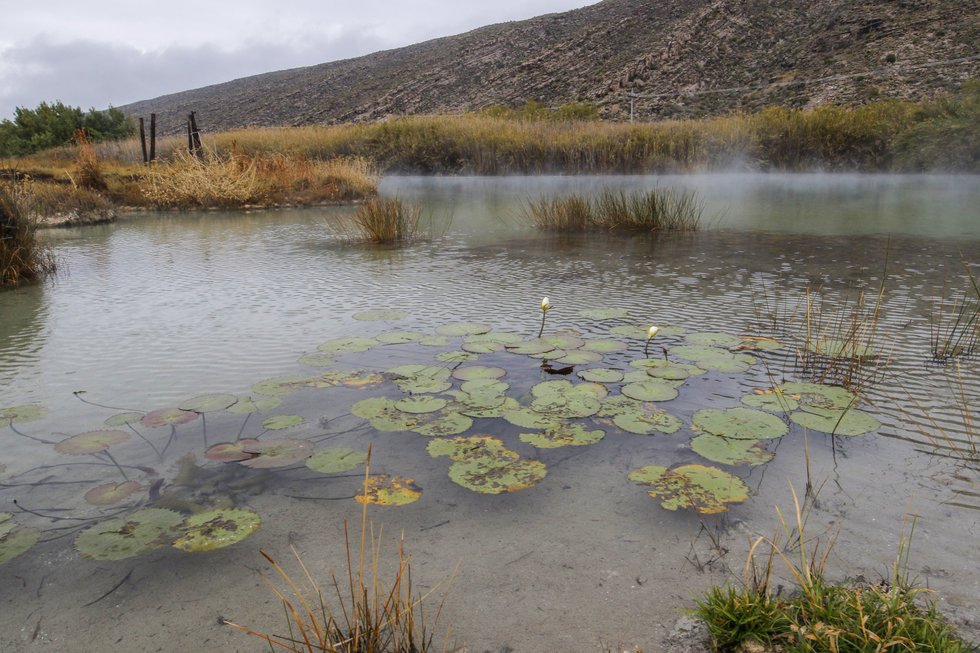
[(384, 221), (893, 615), (23, 257), (662, 209)]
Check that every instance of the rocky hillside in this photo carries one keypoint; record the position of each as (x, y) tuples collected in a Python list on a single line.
[(684, 58)]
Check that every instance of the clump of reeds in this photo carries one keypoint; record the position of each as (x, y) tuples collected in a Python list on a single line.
[(208, 180), (384, 221), (88, 170), (23, 257), (954, 329), (894, 614), (370, 615), (662, 209)]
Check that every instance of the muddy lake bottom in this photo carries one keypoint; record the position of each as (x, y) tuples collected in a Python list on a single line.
[(154, 310)]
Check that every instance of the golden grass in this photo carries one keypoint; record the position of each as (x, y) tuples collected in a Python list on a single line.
[(662, 209), (384, 221)]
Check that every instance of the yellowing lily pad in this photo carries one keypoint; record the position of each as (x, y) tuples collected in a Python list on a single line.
[(831, 397), (118, 539), (646, 419), (757, 343), (462, 329), (435, 341), (383, 415), (604, 313), (231, 452), (276, 453), (383, 490), (475, 446), (740, 423), (497, 474), (21, 414), (566, 435), (707, 490), (851, 422), (248, 405), (108, 494), (381, 315), (281, 386), (441, 424), (283, 422), (16, 541), (216, 529), (336, 460), (652, 390), (208, 403), (348, 379), (348, 345), (730, 452), (168, 417), (91, 442)]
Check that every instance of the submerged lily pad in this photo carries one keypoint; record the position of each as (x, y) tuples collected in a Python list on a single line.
[(646, 419), (497, 474), (21, 414), (16, 541), (91, 442), (383, 490), (276, 453), (601, 375), (705, 489), (730, 452), (381, 315), (336, 460), (713, 339), (566, 435), (124, 419), (348, 345), (456, 357), (208, 403), (462, 329), (118, 539), (659, 368), (280, 386), (5, 524), (283, 422), (579, 358), (216, 529), (772, 401), (317, 359), (248, 405), (603, 313), (652, 390), (474, 372), (740, 423), (168, 417), (420, 404), (231, 452), (399, 337), (110, 493), (850, 422)]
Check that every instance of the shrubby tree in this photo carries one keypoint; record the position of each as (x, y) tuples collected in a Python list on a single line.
[(52, 125)]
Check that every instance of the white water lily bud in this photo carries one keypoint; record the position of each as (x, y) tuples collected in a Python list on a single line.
[(652, 332), (545, 304)]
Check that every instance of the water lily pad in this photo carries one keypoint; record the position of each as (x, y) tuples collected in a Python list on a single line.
[(420, 404), (381, 315), (820, 396), (399, 337), (730, 452), (714, 358), (348, 379), (231, 452), (531, 347), (497, 474), (168, 417), (605, 346), (529, 419), (564, 341), (421, 379), (484, 387), (553, 354), (740, 423), (17, 541), (118, 539), (462, 329), (108, 494), (652, 390), (280, 386), (482, 347), (91, 442), (208, 403), (441, 424), (604, 313), (456, 356), (647, 419), (21, 414), (771, 401), (283, 422), (475, 446), (705, 489), (839, 348), (276, 453), (248, 405), (473, 372), (216, 529), (617, 405), (348, 345), (317, 359), (641, 332), (561, 399), (124, 419), (601, 375), (757, 343), (336, 460), (850, 422), (383, 490), (504, 337), (486, 406), (383, 414), (713, 339), (667, 370), (435, 341), (566, 435), (579, 358)]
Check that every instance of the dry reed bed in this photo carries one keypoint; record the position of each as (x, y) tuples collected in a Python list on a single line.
[(643, 211), (23, 258)]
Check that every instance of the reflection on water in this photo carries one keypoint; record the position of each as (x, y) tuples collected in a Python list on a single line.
[(158, 309)]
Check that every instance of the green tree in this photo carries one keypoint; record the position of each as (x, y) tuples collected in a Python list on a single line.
[(52, 125)]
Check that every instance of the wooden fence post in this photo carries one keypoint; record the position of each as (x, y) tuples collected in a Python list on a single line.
[(146, 160), (153, 137)]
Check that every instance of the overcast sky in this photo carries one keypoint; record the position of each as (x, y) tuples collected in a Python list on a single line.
[(111, 52)]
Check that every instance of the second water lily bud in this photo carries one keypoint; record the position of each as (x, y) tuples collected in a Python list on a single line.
[(652, 332), (545, 304)]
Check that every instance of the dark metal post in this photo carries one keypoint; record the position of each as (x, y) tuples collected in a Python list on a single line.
[(153, 137), (146, 160)]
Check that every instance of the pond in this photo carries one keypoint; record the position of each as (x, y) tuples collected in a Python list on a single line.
[(265, 327)]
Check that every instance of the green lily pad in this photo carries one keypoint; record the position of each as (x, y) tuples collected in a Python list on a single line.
[(441, 424), (730, 452), (484, 387), (317, 359), (283, 422), (566, 435), (772, 401), (421, 379), (208, 403), (381, 315), (476, 446), (652, 390), (383, 414), (456, 356), (435, 341), (563, 341), (276, 453), (818, 395), (474, 372), (497, 474), (91, 442), (553, 354), (216, 529), (577, 402), (336, 460), (462, 329), (486, 406), (16, 542), (850, 422), (757, 343), (714, 358), (420, 404), (617, 405), (399, 337), (168, 417), (531, 347), (248, 405), (108, 494), (482, 347), (601, 375), (118, 539), (705, 489), (124, 419), (348, 345), (21, 414), (529, 419), (604, 313), (281, 386), (383, 490), (740, 423), (605, 346), (579, 358), (231, 452), (838, 348), (647, 419), (667, 370), (503, 337), (348, 379), (713, 339)]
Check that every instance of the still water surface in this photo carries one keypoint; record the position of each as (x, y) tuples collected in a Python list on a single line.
[(159, 308)]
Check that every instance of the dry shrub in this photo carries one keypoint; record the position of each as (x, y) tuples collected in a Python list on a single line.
[(88, 170), (208, 181), (23, 258), (301, 180), (382, 220)]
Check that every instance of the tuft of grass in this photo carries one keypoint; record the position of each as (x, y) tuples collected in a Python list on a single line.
[(954, 327), (370, 615), (650, 211), (894, 614), (23, 257), (384, 221)]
